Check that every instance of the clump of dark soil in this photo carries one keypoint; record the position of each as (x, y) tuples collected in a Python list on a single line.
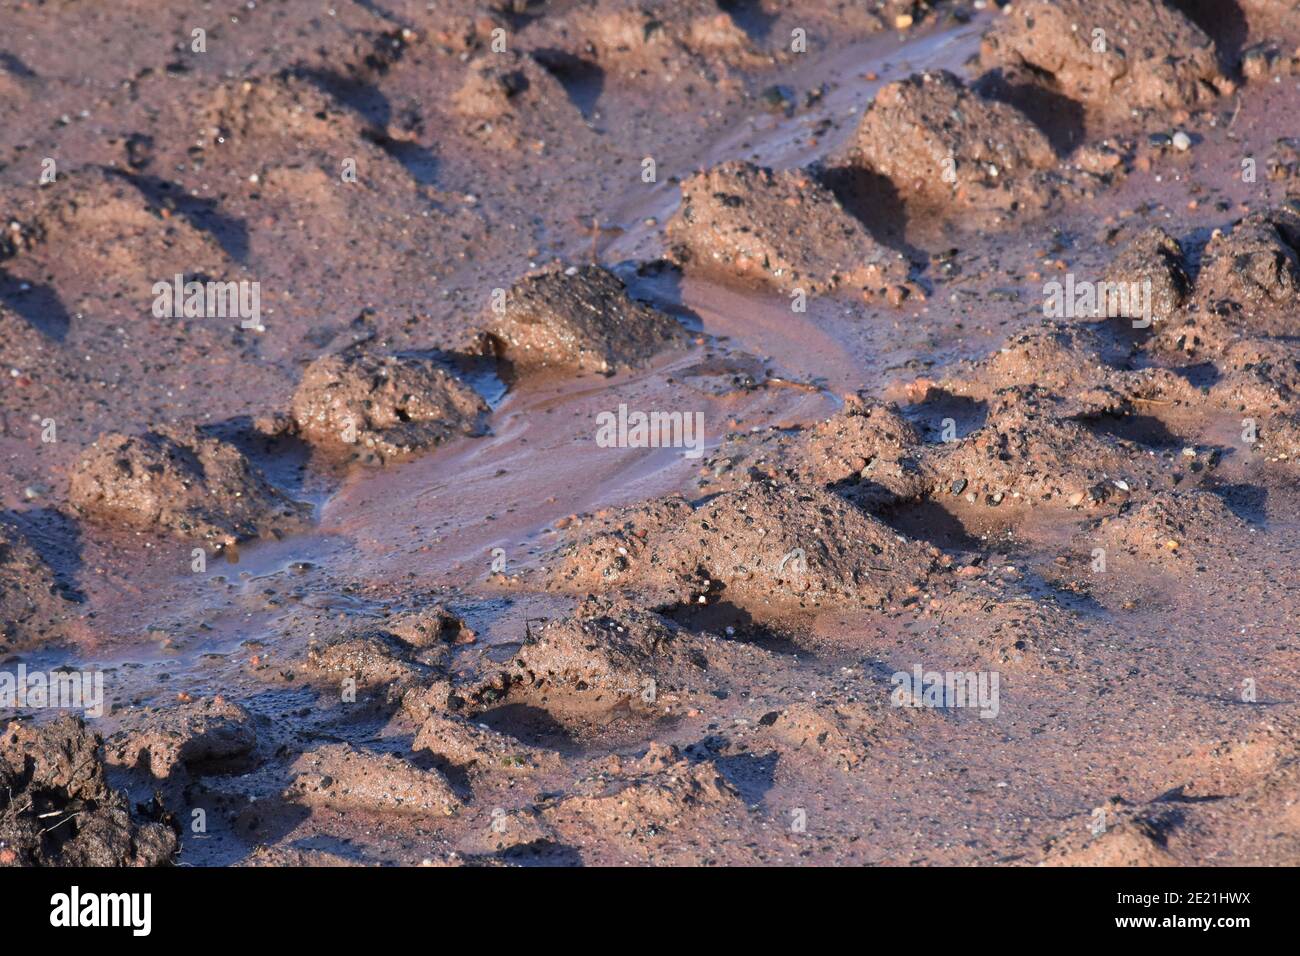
[(579, 318), (57, 809), (941, 143), (177, 479), (32, 605), (384, 407), (1255, 267), (1153, 256), (1151, 56), (782, 227), (211, 735)]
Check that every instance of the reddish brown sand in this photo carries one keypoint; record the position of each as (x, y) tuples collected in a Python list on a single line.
[(439, 618)]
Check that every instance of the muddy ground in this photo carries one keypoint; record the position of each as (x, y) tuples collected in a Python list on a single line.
[(372, 579)]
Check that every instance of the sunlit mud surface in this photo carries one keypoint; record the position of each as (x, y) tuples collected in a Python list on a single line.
[(485, 634)]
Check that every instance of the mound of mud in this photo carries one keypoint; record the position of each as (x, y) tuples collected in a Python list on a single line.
[(1279, 438), (1075, 368), (384, 407), (642, 808), (342, 777), (1146, 55), (57, 809), (781, 227), (1255, 267), (579, 318), (432, 626), (177, 479), (212, 735), (619, 541), (764, 544), (465, 29), (1153, 257), (32, 605), (940, 143), (499, 85), (1024, 455), (1173, 527), (509, 95), (820, 732), (1117, 834), (381, 666), (1259, 376), (129, 230), (282, 112), (478, 749), (402, 662), (664, 44), (614, 652), (869, 445)]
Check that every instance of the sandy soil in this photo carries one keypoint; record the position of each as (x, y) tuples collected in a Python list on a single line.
[(386, 575)]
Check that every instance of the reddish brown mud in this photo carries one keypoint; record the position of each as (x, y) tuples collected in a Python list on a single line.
[(400, 569)]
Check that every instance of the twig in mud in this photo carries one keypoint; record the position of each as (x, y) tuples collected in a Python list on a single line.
[(1234, 113), (70, 816), (596, 231)]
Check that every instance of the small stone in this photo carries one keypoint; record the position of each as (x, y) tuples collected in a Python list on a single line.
[(959, 486), (1182, 142)]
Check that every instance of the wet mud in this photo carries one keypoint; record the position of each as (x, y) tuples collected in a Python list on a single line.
[(638, 400)]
